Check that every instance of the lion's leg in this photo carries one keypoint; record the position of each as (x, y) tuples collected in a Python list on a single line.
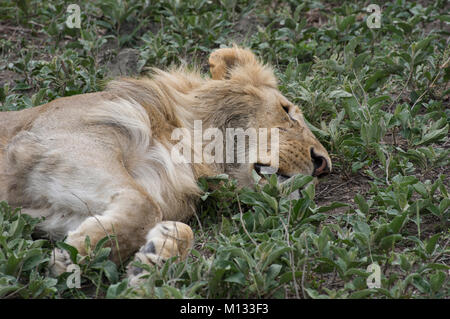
[(167, 239), (127, 220)]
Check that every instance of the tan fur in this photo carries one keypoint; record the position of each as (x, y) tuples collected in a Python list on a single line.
[(99, 164)]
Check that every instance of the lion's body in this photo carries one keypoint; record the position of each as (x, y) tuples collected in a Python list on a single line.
[(100, 163), (68, 160)]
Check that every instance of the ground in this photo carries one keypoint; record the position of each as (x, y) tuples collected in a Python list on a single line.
[(378, 99)]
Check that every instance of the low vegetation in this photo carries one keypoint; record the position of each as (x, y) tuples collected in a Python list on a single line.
[(378, 100)]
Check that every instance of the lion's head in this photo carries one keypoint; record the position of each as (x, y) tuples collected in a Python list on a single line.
[(245, 95), (242, 94)]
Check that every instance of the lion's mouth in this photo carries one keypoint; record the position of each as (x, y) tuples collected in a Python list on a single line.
[(263, 169)]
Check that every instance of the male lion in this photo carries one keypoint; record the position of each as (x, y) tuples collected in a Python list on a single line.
[(100, 164)]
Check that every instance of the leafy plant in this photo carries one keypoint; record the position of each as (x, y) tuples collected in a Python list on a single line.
[(377, 99)]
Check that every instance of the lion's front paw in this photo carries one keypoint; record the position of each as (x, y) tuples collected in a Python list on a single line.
[(59, 262), (167, 239)]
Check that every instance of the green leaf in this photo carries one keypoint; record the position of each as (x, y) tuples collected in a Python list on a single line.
[(294, 183), (273, 203), (389, 241), (422, 284), (24, 5), (272, 272), (333, 206), (309, 191), (431, 244), (437, 266), (287, 277), (73, 252), (437, 280), (111, 272), (397, 223), (101, 256), (339, 94), (378, 99), (12, 265), (444, 205), (274, 255), (360, 60), (443, 18), (356, 271), (238, 278), (315, 294), (116, 290), (346, 22), (102, 242), (374, 79), (173, 292), (362, 227), (362, 293), (226, 227), (420, 188), (423, 43), (404, 263), (8, 285), (33, 258), (433, 136), (362, 204)]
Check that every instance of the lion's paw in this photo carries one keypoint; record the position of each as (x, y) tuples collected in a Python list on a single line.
[(167, 239), (59, 262)]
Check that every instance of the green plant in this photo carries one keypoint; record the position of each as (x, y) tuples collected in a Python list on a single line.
[(376, 98)]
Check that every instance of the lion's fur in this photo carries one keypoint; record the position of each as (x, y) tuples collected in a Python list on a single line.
[(101, 163)]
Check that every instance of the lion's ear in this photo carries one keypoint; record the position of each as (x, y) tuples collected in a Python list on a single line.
[(221, 61)]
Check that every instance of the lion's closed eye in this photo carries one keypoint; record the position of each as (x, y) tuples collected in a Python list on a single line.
[(286, 109)]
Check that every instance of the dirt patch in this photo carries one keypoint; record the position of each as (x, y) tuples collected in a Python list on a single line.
[(124, 64), (316, 17), (12, 41), (8, 77), (337, 187)]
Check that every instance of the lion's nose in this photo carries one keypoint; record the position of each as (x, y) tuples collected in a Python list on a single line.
[(321, 166)]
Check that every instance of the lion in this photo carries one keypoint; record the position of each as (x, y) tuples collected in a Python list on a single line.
[(100, 164)]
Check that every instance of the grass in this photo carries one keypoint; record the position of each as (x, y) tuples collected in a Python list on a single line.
[(378, 100)]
